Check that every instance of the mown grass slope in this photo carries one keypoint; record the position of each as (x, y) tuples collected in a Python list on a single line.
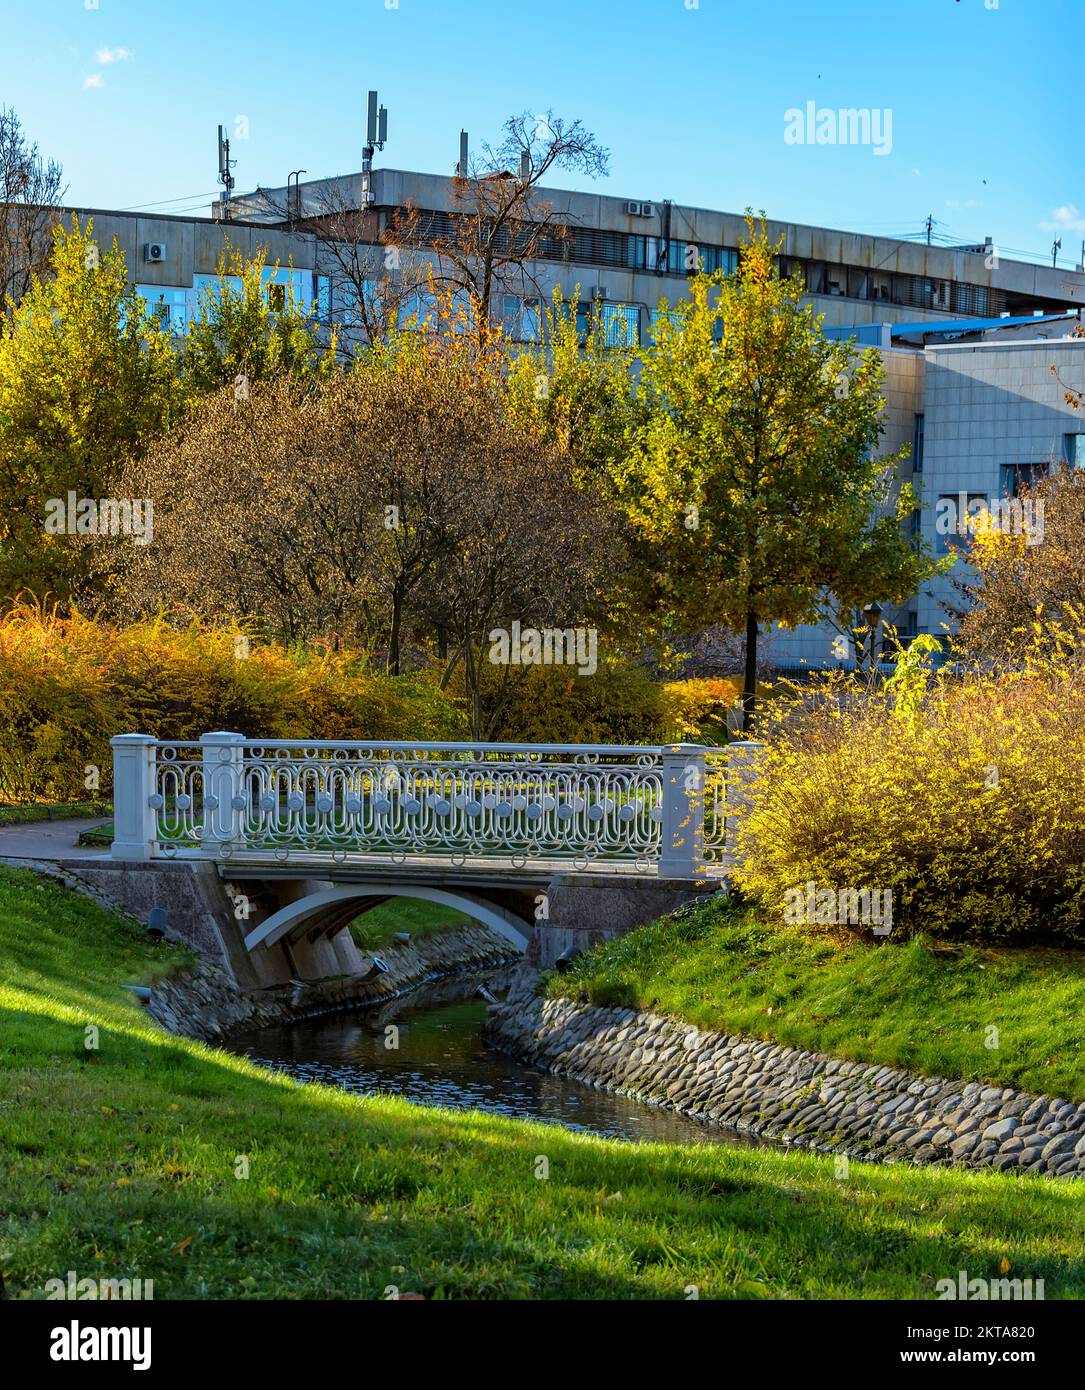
[(123, 1161), (1009, 1015)]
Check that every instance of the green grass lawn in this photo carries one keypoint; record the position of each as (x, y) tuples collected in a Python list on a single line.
[(121, 1162), (378, 926), (55, 810), (913, 1004)]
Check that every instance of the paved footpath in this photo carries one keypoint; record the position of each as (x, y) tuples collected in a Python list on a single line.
[(48, 839)]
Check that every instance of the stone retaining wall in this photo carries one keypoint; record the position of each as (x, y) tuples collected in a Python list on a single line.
[(205, 1003), (807, 1099)]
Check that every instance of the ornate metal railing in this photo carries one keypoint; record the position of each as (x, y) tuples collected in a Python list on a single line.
[(653, 808)]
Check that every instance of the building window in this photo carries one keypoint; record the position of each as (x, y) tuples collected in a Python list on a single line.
[(1074, 450), (917, 445), (621, 325), (972, 300), (519, 319), (952, 526), (323, 299), (1016, 477), (169, 306)]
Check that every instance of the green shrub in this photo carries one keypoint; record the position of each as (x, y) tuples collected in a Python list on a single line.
[(553, 704)]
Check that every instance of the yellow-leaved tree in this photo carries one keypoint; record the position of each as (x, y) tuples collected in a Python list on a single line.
[(753, 483)]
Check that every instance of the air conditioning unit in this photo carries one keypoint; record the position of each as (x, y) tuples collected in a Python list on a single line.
[(646, 210), (154, 251), (638, 209)]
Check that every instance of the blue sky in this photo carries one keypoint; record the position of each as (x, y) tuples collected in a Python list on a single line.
[(690, 98)]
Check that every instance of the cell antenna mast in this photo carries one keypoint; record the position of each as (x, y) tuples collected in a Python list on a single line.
[(461, 167), (226, 178), (376, 135)]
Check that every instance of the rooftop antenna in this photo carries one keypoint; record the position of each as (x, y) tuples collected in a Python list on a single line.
[(226, 178), (461, 167), (293, 200), (1056, 247), (376, 134)]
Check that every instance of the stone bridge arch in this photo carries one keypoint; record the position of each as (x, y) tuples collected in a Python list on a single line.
[(330, 909)]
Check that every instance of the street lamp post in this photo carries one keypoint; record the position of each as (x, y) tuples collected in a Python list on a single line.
[(873, 614)]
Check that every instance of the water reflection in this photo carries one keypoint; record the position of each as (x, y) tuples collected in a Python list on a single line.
[(432, 1053)]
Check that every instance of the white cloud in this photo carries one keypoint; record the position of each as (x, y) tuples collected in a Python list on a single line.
[(94, 80), (1068, 218), (113, 55)]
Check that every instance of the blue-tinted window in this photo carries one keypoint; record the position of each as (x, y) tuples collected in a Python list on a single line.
[(621, 325), (169, 306)]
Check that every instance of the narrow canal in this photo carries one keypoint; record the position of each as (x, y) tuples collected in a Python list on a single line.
[(427, 1048)]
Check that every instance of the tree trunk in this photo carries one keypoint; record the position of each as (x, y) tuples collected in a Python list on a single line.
[(394, 631), (749, 680), (471, 681)]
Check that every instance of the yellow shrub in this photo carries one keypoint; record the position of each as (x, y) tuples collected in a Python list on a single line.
[(697, 709), (966, 801), (67, 685)]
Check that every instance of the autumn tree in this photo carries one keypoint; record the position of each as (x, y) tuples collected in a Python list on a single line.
[(1026, 583), (501, 222), (31, 188), (252, 520), (87, 379), (399, 508), (248, 327), (754, 487)]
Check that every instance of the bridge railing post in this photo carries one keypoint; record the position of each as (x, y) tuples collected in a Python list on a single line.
[(134, 829), (223, 817), (681, 850)]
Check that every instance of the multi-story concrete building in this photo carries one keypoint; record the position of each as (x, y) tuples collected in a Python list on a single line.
[(987, 407), (627, 254), (968, 336)]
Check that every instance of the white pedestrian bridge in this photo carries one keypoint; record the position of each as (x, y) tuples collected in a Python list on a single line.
[(460, 823)]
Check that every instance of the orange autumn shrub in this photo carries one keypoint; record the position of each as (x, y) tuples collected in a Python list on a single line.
[(68, 684)]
